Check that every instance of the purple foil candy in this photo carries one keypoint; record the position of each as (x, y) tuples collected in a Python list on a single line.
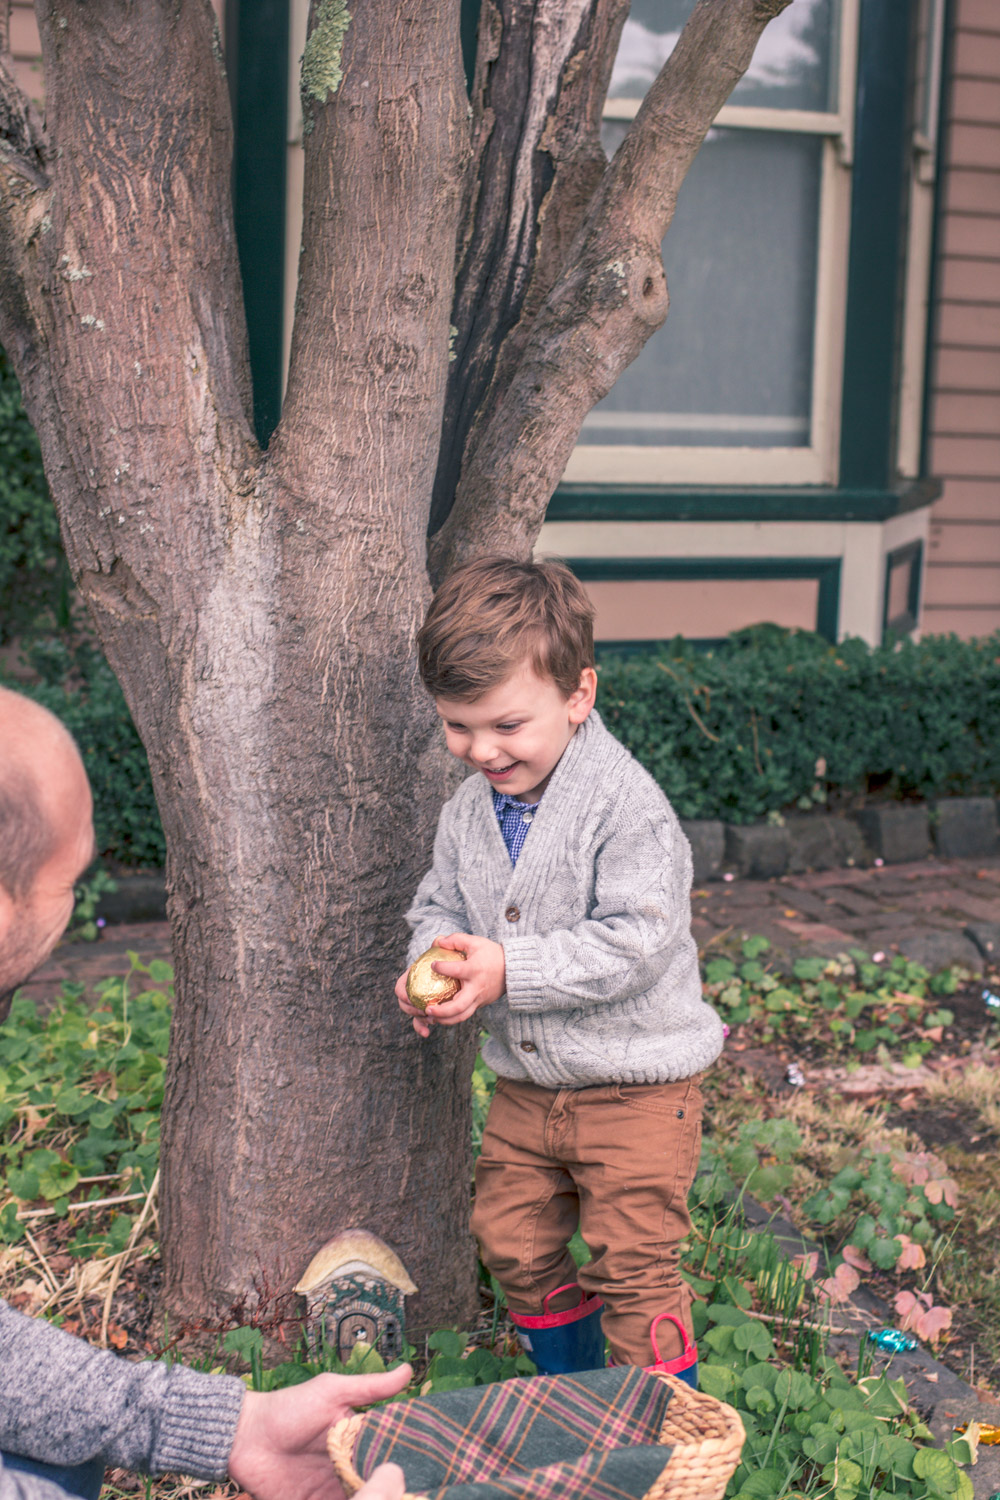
[(795, 1076), (991, 1000), (893, 1340)]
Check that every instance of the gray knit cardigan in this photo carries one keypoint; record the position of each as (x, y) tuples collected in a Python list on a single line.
[(595, 922), (63, 1402)]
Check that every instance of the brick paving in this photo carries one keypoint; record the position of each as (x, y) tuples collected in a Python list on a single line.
[(937, 912), (88, 963)]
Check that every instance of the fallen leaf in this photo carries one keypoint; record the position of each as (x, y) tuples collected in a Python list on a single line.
[(91, 1277), (808, 1263), (856, 1258), (909, 1305), (117, 1336), (840, 1285), (935, 1322), (912, 1256), (942, 1188), (29, 1295)]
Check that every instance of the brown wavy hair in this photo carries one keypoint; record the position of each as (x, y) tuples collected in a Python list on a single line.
[(492, 615)]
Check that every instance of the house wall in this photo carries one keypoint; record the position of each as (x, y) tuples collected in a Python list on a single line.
[(962, 580)]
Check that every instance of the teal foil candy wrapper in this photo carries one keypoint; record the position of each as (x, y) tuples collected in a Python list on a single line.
[(893, 1341)]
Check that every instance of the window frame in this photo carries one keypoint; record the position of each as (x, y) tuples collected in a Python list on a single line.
[(817, 461)]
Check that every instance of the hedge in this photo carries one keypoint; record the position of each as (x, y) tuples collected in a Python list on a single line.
[(35, 587), (81, 689), (774, 719), (769, 721)]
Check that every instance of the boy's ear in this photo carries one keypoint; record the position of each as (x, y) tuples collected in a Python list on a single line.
[(582, 701)]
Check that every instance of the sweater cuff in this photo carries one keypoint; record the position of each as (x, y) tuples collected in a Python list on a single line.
[(523, 961), (197, 1424)]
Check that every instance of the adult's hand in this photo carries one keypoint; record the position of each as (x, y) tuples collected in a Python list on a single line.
[(279, 1451)]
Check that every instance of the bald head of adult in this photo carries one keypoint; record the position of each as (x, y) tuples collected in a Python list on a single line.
[(46, 835)]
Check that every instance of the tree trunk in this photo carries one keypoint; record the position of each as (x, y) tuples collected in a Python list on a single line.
[(260, 608)]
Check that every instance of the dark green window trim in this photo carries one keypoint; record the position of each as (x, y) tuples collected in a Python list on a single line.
[(257, 66), (910, 556), (876, 258), (826, 570), (651, 502)]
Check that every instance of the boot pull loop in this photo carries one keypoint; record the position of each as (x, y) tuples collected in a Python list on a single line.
[(570, 1286), (669, 1317)]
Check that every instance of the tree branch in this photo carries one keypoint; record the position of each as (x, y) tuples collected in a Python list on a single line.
[(120, 294), (542, 74), (386, 141), (609, 300)]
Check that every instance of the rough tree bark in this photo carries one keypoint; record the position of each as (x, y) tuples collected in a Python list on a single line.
[(259, 607)]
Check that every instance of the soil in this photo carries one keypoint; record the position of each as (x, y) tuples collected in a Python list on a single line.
[(974, 1020), (940, 1125)]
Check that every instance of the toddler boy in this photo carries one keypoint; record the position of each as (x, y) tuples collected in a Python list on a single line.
[(561, 871)]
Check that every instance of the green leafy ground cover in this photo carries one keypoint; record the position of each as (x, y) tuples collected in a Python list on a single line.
[(80, 1092), (843, 1007)]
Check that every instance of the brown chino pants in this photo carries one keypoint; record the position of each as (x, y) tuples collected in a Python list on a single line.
[(618, 1159)]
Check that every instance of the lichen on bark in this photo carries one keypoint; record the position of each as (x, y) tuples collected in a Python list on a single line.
[(321, 61)]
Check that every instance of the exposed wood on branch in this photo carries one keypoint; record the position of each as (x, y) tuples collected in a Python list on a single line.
[(610, 298), (542, 74), (21, 135)]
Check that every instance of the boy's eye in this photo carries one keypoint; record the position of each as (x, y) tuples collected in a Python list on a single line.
[(508, 726)]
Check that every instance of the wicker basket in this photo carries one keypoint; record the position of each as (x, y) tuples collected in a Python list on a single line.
[(705, 1437)]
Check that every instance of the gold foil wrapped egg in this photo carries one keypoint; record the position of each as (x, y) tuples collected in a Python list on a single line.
[(423, 986)]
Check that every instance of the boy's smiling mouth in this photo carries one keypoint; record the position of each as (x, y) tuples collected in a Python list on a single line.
[(499, 772)]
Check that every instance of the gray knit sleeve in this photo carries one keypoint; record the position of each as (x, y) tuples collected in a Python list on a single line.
[(438, 907), (627, 942), (63, 1402)]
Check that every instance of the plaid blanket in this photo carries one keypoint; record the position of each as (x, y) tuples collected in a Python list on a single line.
[(594, 1433)]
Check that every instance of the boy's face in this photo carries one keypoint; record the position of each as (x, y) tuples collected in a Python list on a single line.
[(516, 733)]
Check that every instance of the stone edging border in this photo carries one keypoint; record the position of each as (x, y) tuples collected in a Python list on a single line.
[(890, 832)]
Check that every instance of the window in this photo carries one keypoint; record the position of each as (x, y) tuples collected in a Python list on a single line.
[(741, 385), (901, 602)]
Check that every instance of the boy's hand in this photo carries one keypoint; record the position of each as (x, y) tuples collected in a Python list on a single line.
[(483, 974), (420, 1023)]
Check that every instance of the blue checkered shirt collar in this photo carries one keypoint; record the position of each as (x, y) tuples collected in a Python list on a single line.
[(515, 819)]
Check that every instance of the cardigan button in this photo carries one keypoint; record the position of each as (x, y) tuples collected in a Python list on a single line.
[(513, 914), (528, 1047)]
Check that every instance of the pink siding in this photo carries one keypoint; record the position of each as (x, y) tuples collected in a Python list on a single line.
[(962, 583)]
